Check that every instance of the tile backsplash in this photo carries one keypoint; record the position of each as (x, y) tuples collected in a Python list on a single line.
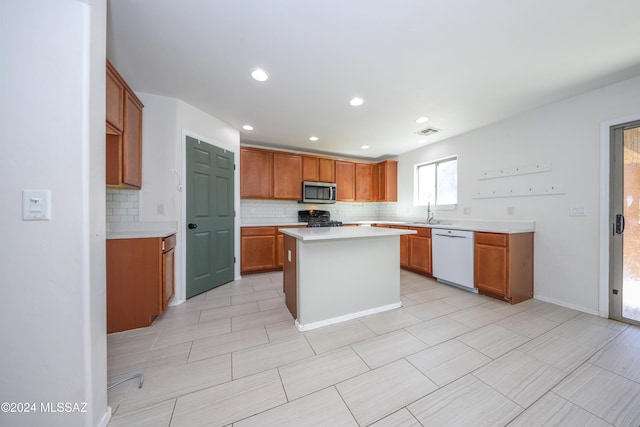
[(122, 205), (288, 210)]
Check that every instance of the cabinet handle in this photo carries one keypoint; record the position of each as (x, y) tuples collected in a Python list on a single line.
[(192, 226)]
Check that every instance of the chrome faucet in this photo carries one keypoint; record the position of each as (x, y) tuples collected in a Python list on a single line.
[(429, 213)]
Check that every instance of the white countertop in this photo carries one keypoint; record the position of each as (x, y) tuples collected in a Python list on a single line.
[(332, 233), (140, 230), (487, 226)]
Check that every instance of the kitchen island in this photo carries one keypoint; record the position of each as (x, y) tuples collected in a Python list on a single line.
[(334, 274)]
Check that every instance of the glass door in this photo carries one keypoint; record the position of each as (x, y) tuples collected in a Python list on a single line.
[(625, 223)]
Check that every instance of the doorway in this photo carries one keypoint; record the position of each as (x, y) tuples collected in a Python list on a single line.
[(625, 223), (210, 216)]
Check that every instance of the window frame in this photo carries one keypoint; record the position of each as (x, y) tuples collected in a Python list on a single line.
[(416, 186)]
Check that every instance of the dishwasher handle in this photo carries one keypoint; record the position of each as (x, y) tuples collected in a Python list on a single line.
[(451, 236)]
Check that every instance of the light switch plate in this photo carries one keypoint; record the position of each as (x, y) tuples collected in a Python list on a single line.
[(36, 205)]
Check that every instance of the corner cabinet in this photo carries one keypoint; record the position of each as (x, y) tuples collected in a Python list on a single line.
[(503, 265), (124, 133), (261, 249), (140, 281)]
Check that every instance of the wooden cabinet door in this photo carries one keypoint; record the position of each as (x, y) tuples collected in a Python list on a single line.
[(327, 170), (132, 142), (114, 98), (257, 249), (133, 283), (387, 181), (256, 173), (287, 176), (345, 180), (168, 277), (364, 182), (310, 168), (490, 266), (420, 254)]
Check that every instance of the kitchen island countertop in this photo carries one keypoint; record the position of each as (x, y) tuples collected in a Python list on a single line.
[(331, 233)]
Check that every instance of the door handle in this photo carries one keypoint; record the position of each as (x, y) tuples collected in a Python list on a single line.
[(192, 226), (619, 224)]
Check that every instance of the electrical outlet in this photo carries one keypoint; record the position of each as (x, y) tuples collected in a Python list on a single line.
[(510, 210), (466, 211), (160, 209)]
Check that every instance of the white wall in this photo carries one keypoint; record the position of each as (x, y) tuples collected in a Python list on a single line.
[(565, 134), (166, 121), (53, 272)]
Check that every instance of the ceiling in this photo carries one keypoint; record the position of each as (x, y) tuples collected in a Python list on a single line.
[(463, 64)]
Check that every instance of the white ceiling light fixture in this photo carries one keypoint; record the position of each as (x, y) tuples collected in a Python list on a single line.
[(365, 147), (313, 138), (260, 75), (422, 119), (356, 102), (422, 141), (247, 127)]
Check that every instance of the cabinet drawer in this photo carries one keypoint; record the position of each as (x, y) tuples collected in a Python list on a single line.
[(168, 243), (424, 232), (493, 239), (258, 231)]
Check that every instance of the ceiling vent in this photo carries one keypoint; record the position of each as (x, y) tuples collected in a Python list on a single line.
[(427, 131)]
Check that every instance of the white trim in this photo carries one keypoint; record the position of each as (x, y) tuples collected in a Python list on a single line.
[(571, 306), (344, 318), (105, 418), (605, 173)]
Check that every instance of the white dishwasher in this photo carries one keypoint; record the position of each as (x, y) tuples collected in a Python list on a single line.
[(452, 257)]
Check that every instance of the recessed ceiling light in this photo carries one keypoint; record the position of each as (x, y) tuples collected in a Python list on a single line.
[(422, 119), (247, 127), (260, 75), (365, 147), (422, 141), (313, 138), (356, 102)]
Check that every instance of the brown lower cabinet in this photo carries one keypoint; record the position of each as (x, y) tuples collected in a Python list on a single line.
[(504, 265), (261, 249), (140, 281)]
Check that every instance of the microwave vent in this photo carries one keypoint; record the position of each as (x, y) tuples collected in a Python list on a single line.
[(427, 131)]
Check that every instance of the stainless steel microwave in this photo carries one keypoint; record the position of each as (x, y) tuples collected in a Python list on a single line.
[(318, 192)]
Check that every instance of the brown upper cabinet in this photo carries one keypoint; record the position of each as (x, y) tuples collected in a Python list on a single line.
[(318, 169), (364, 182), (271, 174), (346, 180), (124, 133), (256, 173), (385, 179), (287, 176)]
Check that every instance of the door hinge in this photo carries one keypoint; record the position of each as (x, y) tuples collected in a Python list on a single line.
[(615, 292), (234, 166), (234, 260)]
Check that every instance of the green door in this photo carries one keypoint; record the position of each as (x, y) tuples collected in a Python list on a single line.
[(210, 216)]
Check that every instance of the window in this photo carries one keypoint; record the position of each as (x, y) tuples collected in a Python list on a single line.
[(437, 183)]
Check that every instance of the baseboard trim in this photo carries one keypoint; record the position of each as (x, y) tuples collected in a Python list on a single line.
[(344, 318)]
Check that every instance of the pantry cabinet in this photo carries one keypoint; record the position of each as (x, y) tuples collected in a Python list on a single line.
[(140, 281), (503, 265), (124, 133)]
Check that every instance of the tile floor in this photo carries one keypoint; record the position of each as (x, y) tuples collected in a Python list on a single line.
[(232, 356)]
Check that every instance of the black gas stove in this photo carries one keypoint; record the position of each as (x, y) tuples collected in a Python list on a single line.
[(317, 218)]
